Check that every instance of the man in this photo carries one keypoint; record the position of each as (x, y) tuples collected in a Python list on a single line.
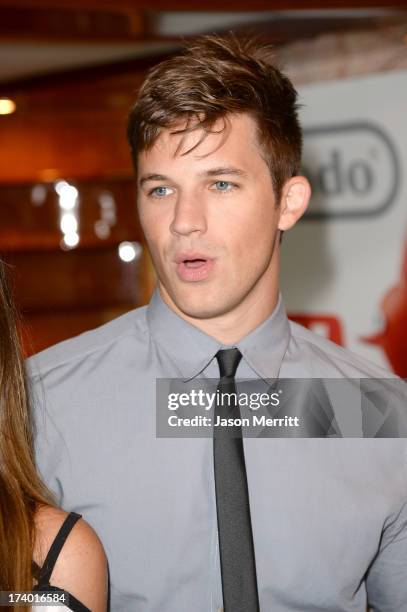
[(201, 523)]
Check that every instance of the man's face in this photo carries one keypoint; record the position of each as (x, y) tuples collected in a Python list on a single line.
[(211, 219)]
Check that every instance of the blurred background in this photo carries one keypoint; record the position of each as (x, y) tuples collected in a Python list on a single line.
[(69, 73)]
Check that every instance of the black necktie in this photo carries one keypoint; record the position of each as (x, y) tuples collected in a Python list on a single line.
[(239, 584)]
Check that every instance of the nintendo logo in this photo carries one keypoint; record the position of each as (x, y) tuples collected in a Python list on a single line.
[(353, 169)]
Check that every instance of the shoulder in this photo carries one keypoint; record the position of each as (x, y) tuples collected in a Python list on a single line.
[(81, 567), (68, 352), (324, 358)]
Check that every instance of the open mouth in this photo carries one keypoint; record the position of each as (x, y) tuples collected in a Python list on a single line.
[(194, 263), (194, 268)]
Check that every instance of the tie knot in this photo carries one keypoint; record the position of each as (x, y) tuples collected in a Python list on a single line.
[(228, 360)]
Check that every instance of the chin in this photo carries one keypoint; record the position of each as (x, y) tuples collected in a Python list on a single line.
[(203, 304), (195, 306), (198, 312)]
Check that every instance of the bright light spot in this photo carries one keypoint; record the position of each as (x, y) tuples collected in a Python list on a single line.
[(7, 106), (71, 239), (128, 251), (67, 200), (69, 223), (59, 186), (68, 195)]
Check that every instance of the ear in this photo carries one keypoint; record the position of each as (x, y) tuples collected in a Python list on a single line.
[(295, 196)]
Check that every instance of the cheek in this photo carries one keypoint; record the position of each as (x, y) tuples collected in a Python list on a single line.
[(247, 253), (255, 233), (152, 225), (145, 217)]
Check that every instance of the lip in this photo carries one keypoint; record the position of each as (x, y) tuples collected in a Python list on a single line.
[(199, 272)]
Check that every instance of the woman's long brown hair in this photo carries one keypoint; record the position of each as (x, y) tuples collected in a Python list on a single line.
[(21, 489)]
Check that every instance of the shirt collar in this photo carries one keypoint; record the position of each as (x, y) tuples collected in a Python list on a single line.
[(192, 349)]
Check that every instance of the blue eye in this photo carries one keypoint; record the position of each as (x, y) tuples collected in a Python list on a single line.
[(225, 183), (156, 193)]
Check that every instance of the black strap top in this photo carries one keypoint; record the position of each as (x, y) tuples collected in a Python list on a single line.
[(43, 574)]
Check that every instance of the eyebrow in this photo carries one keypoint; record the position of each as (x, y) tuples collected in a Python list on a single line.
[(219, 171)]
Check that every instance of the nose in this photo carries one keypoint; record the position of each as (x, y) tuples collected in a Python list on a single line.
[(189, 216)]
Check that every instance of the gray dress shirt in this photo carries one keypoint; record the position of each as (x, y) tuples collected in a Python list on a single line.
[(329, 515)]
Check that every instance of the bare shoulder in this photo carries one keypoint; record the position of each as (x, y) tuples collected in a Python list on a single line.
[(81, 567)]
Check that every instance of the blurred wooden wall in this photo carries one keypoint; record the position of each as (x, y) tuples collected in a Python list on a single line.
[(71, 129)]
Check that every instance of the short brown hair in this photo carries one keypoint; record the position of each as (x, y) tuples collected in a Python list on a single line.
[(213, 76)]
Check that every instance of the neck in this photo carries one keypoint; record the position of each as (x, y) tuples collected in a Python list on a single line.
[(253, 309)]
